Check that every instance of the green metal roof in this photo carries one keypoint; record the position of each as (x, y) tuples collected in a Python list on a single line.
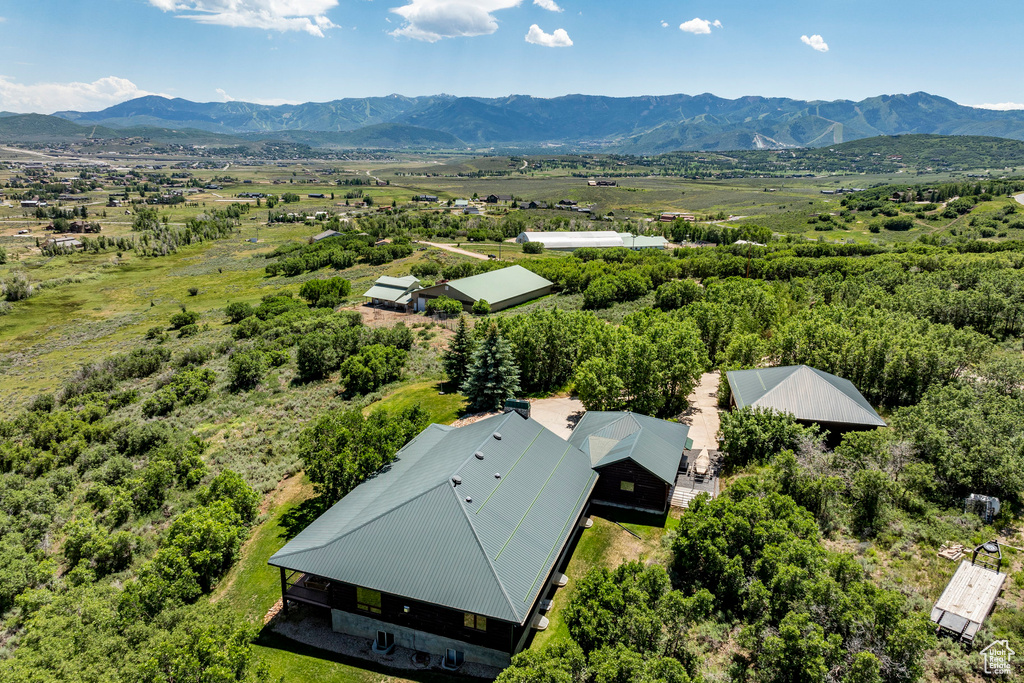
[(484, 545), (642, 241), (804, 392), (397, 289), (609, 437), (496, 285)]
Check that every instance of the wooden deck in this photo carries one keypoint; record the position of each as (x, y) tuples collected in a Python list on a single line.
[(968, 599), (689, 484)]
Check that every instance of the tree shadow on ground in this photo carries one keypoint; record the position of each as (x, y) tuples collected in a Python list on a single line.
[(300, 516)]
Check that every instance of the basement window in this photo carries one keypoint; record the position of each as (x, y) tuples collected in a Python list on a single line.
[(627, 486), (474, 621), (368, 600)]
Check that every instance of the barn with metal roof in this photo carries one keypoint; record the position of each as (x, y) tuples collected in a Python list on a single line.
[(500, 288), (450, 547), (810, 395), (393, 291)]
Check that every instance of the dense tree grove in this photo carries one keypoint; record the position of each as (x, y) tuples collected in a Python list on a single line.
[(341, 449)]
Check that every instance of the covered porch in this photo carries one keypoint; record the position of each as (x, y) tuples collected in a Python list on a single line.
[(305, 588)]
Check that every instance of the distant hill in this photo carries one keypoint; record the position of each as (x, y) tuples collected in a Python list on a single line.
[(41, 128), (639, 125), (379, 136)]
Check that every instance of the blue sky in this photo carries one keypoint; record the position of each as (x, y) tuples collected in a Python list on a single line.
[(74, 54)]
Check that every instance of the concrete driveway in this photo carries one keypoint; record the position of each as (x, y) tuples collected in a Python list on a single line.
[(559, 415), (702, 415)]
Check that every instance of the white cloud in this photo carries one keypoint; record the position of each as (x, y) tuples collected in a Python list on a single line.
[(1001, 106), (816, 42), (664, 24), (549, 5), (557, 39), (698, 26), (50, 97), (224, 95), (270, 15), (432, 20)]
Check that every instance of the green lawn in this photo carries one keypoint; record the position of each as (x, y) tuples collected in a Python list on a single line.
[(443, 408)]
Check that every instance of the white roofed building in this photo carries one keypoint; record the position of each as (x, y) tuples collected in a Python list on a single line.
[(567, 241)]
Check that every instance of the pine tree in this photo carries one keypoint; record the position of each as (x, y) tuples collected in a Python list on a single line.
[(493, 375), (459, 355)]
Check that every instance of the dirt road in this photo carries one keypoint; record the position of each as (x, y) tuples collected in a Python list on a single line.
[(455, 250)]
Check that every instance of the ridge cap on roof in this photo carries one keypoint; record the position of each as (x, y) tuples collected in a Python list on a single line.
[(483, 551), (480, 446)]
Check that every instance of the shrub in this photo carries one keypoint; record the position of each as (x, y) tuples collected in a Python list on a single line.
[(677, 294), (325, 293), (228, 486), (444, 304), (188, 331), (602, 292), (246, 369), (316, 357), (900, 224), (155, 333), (17, 288), (533, 247), (755, 435), (373, 367), (237, 311), (481, 307), (179, 320), (194, 356), (425, 269), (193, 291)]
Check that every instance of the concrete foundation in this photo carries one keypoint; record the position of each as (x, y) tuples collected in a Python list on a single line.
[(366, 627)]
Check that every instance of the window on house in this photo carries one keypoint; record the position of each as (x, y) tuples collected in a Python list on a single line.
[(368, 600), (627, 486), (474, 621)]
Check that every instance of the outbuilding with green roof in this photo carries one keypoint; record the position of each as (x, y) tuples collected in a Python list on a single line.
[(808, 394), (501, 288)]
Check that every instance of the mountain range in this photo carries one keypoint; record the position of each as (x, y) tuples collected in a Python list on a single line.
[(639, 125)]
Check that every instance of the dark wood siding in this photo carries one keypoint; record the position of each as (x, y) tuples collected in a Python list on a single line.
[(423, 616), (649, 492)]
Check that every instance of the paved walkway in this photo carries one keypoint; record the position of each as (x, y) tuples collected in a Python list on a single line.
[(448, 247), (702, 415), (1020, 198)]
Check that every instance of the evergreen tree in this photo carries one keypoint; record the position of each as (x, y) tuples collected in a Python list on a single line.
[(459, 355), (493, 375)]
